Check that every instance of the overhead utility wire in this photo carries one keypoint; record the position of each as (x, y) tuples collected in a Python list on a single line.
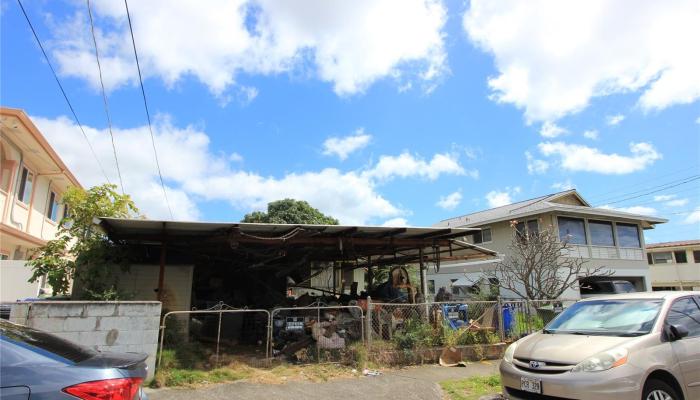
[(604, 196), (625, 195), (145, 105), (104, 96), (60, 86), (691, 179)]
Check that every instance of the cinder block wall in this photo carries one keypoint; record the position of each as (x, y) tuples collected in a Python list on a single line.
[(121, 326)]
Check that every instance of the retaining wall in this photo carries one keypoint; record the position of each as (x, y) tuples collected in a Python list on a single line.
[(121, 326)]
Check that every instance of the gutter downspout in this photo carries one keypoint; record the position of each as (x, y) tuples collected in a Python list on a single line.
[(13, 194)]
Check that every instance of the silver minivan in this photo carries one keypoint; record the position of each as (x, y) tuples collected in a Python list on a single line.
[(623, 347)]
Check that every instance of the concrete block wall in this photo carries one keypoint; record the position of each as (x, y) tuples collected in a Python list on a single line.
[(120, 326)]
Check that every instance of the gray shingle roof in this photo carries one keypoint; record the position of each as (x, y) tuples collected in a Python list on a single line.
[(541, 205)]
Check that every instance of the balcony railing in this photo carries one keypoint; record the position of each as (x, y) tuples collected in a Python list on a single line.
[(604, 252)]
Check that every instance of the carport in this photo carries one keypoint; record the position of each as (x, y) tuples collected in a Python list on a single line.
[(254, 265)]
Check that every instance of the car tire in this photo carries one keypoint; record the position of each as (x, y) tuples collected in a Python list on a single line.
[(656, 389)]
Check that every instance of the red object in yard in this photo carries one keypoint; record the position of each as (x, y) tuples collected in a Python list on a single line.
[(108, 389)]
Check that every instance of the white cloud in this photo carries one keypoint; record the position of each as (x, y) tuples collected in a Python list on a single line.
[(591, 134), (535, 166), (497, 198), (348, 44), (553, 57), (552, 130), (561, 186), (639, 210), (613, 120), (676, 203), (574, 157), (342, 147), (451, 201), (664, 197), (406, 164), (692, 218), (199, 174), (396, 222)]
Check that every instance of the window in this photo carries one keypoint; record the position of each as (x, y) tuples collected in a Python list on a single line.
[(572, 230), (696, 256), (455, 289), (24, 192), (527, 228), (601, 233), (650, 260), (685, 312), (431, 286), (628, 235), (662, 257), (680, 257), (52, 207), (483, 236)]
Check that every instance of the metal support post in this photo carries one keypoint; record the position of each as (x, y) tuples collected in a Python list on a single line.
[(501, 325)]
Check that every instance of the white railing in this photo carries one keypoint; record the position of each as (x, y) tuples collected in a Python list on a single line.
[(604, 252)]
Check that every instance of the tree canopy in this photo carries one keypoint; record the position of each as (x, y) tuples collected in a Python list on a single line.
[(290, 211), (81, 251)]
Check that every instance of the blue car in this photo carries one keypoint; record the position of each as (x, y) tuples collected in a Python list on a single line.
[(39, 366)]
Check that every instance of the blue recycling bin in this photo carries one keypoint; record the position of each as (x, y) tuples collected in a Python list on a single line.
[(507, 318)]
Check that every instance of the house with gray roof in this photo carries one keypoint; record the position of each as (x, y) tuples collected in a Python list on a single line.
[(606, 238)]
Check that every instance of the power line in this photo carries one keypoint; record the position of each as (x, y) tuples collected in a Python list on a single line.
[(104, 96), (687, 180), (60, 86), (145, 105), (602, 196), (646, 189)]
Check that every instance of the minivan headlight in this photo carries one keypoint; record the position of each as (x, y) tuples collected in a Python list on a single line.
[(510, 351), (603, 361)]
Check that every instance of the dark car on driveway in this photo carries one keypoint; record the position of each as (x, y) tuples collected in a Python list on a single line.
[(39, 366)]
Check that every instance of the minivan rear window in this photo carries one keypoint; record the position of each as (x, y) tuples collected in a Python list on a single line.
[(44, 343)]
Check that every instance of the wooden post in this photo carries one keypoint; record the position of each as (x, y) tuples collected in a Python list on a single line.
[(370, 275), (161, 272)]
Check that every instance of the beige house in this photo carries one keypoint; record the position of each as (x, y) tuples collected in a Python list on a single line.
[(674, 265), (604, 238), (32, 181)]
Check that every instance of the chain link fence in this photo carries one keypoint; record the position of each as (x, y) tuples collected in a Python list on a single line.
[(523, 317), (425, 325), (206, 339), (317, 333)]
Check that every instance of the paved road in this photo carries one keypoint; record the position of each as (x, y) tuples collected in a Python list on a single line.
[(417, 383)]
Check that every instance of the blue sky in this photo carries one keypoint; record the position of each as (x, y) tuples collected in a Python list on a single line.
[(376, 112)]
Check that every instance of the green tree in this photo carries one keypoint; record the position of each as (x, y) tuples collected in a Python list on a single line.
[(290, 211), (82, 252)]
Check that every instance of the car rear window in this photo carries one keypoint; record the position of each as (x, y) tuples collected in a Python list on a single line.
[(44, 343)]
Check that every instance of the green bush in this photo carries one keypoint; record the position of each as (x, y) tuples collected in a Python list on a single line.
[(416, 334), (525, 324)]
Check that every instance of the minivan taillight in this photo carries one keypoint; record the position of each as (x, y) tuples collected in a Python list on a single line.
[(108, 389)]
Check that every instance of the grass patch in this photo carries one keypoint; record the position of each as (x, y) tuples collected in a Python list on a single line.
[(471, 388)]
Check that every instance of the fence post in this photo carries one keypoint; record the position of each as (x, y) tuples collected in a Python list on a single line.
[(218, 338), (501, 326), (368, 323)]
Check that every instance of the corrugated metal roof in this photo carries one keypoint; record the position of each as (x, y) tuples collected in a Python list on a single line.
[(125, 226)]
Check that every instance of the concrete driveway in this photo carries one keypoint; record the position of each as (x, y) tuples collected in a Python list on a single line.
[(417, 383)]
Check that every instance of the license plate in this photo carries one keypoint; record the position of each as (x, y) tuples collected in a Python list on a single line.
[(531, 385)]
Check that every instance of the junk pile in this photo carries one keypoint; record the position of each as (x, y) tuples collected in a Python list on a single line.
[(301, 333)]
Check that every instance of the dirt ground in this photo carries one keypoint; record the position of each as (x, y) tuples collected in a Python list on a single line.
[(417, 383)]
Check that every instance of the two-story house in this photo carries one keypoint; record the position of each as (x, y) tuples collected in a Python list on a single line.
[(674, 265), (32, 181), (604, 238)]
